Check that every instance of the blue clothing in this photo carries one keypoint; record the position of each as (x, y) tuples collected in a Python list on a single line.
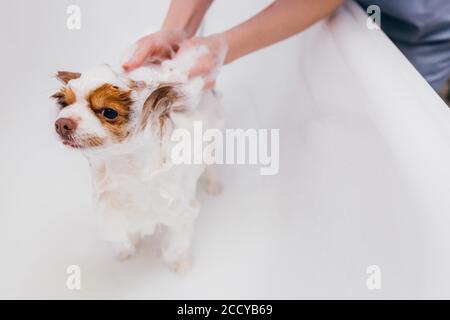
[(421, 30)]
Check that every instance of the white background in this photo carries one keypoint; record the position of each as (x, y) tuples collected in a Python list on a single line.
[(338, 204)]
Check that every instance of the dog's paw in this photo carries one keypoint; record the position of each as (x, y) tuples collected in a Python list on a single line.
[(213, 188), (181, 265), (125, 254), (135, 240), (128, 247)]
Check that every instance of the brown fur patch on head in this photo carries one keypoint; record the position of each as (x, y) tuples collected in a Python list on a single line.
[(108, 96), (157, 107), (64, 97), (66, 76)]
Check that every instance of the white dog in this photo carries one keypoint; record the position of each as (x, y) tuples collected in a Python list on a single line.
[(123, 124)]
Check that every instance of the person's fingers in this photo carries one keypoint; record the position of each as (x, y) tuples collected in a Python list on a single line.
[(202, 68), (164, 53), (138, 58), (209, 84), (186, 46), (152, 54), (175, 48), (208, 63)]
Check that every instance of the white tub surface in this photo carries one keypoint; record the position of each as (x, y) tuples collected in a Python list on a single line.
[(364, 166)]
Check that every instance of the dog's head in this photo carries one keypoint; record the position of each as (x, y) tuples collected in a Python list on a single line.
[(100, 108)]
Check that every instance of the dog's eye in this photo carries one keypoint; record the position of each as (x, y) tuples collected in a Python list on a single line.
[(109, 113)]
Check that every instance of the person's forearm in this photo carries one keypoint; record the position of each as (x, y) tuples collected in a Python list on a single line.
[(280, 20), (186, 15)]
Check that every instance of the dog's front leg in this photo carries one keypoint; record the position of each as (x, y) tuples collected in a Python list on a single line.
[(127, 247), (211, 181), (176, 246), (113, 215)]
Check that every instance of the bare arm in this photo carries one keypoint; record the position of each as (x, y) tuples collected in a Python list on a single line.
[(278, 21), (186, 15)]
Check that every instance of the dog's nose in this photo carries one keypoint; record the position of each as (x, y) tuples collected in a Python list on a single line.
[(65, 127)]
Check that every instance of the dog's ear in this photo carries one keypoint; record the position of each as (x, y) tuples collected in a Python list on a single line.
[(66, 76), (159, 104)]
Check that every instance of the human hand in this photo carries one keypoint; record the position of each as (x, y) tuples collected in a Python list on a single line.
[(154, 48), (209, 56)]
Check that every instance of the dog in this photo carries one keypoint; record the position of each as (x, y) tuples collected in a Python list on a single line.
[(122, 123)]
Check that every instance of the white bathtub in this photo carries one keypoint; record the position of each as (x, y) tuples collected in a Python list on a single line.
[(364, 167)]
